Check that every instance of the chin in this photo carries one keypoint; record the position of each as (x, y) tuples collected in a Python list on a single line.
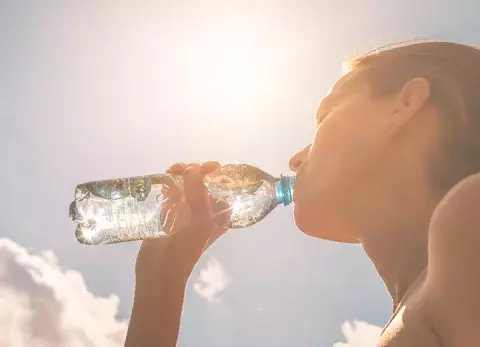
[(305, 221), (323, 224)]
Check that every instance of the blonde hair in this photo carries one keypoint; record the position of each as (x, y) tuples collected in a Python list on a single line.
[(453, 71)]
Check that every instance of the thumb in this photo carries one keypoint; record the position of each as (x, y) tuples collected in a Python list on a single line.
[(221, 212), (196, 195)]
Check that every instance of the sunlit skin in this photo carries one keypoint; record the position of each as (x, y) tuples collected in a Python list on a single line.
[(361, 159), (364, 179)]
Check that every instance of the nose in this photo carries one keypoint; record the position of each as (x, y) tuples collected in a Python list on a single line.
[(297, 159)]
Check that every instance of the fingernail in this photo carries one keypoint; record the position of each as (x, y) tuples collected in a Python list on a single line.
[(192, 168)]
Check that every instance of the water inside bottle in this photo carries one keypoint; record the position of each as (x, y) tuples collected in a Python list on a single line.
[(117, 210), (248, 191), (153, 206), (248, 205)]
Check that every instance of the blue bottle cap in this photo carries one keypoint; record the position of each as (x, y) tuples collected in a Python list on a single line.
[(284, 189)]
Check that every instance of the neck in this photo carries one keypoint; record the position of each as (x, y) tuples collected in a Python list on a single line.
[(396, 239), (398, 258)]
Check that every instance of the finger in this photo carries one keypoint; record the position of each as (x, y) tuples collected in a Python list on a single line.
[(196, 194), (221, 212), (177, 168), (210, 166), (171, 185), (172, 188)]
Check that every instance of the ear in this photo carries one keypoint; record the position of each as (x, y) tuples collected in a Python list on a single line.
[(410, 101)]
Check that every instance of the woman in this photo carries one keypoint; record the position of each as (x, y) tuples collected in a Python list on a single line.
[(393, 166)]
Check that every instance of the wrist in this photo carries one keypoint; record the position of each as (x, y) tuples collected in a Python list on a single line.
[(168, 269)]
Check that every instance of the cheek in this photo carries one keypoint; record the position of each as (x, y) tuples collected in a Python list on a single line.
[(353, 137), (339, 164), (346, 129)]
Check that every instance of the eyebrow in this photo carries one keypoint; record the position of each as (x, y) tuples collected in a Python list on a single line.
[(319, 115), (325, 103), (342, 88)]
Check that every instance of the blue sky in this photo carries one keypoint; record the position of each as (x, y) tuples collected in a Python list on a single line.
[(95, 90)]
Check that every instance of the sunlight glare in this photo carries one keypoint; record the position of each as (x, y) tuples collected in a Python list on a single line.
[(237, 206), (229, 68)]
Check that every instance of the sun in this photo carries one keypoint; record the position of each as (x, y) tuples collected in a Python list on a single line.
[(229, 68)]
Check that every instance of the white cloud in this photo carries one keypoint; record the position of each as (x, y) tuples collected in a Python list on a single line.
[(212, 281), (359, 334), (43, 305)]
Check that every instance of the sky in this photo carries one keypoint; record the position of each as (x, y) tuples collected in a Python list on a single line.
[(93, 90)]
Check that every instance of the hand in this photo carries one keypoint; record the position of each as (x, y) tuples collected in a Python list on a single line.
[(194, 221)]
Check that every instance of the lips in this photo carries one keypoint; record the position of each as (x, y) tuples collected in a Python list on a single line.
[(294, 197)]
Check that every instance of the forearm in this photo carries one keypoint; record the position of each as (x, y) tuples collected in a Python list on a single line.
[(161, 276), (156, 313)]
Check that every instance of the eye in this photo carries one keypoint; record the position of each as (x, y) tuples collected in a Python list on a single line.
[(321, 117)]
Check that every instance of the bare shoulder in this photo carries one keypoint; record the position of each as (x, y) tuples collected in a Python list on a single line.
[(410, 325), (453, 281)]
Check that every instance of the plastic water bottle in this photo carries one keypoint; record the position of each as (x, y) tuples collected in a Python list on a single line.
[(146, 207)]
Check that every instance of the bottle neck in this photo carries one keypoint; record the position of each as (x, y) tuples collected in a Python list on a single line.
[(284, 189)]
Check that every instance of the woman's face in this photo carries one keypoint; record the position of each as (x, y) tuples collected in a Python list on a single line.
[(351, 152)]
